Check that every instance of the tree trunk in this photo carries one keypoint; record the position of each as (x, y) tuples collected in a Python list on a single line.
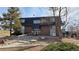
[(58, 27), (10, 27)]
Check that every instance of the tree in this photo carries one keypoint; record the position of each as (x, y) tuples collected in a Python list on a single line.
[(13, 15), (59, 11), (5, 19), (1, 19)]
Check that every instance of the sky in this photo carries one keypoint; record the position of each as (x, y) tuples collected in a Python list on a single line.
[(30, 11)]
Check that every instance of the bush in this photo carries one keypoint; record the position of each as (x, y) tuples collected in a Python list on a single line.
[(17, 33), (61, 47)]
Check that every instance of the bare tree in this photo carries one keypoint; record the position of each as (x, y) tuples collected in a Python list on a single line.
[(60, 12)]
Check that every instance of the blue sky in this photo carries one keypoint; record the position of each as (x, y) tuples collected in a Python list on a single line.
[(30, 11)]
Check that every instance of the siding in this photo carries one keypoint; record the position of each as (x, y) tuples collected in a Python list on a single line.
[(28, 29), (45, 30), (44, 24)]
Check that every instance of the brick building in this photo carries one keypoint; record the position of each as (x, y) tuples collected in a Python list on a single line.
[(41, 26)]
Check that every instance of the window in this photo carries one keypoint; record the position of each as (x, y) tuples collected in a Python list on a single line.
[(22, 20), (36, 21), (43, 20), (52, 20)]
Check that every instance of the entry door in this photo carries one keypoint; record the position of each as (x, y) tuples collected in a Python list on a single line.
[(36, 29)]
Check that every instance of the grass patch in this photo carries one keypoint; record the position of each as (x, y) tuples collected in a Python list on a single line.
[(4, 33), (60, 46)]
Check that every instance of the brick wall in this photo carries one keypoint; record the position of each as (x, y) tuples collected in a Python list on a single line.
[(45, 30)]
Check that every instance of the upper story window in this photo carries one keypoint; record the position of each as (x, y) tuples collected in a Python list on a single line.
[(52, 20), (36, 21), (22, 20)]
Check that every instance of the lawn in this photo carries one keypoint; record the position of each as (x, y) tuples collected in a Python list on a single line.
[(60, 46), (4, 33)]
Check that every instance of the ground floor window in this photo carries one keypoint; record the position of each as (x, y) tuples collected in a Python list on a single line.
[(36, 31)]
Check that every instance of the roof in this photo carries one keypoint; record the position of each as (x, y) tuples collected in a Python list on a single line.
[(39, 17)]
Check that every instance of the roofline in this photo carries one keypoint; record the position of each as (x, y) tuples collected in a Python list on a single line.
[(39, 17)]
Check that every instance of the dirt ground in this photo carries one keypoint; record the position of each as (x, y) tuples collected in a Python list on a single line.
[(4, 33), (71, 40), (39, 47), (68, 40), (31, 48), (22, 46)]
